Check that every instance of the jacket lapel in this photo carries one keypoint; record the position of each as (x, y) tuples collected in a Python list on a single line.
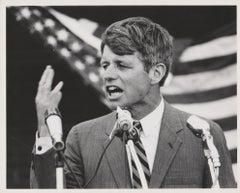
[(117, 158), (168, 145)]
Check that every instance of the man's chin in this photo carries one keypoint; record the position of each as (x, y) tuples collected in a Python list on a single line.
[(114, 104)]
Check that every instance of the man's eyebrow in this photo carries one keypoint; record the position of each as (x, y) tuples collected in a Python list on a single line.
[(119, 61)]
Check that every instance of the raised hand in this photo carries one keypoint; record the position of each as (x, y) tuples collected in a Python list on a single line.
[(46, 98)]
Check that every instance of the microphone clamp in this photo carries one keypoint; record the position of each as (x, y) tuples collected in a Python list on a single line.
[(133, 134), (52, 111)]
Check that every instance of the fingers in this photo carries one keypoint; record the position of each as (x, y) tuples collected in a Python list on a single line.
[(49, 79), (45, 96), (46, 80), (58, 87), (44, 75)]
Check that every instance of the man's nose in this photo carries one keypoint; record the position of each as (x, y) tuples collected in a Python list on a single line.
[(110, 73)]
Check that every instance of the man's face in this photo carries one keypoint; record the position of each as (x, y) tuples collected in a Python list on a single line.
[(126, 83)]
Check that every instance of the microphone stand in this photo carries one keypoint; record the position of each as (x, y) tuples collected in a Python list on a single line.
[(212, 155), (201, 128), (59, 170), (54, 125)]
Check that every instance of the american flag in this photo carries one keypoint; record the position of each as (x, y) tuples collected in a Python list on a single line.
[(203, 79)]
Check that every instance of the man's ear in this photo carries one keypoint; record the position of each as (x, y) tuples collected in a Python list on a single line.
[(157, 72)]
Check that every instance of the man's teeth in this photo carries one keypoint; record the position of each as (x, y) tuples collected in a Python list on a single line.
[(113, 90)]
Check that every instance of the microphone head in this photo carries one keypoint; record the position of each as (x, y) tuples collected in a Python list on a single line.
[(124, 119), (198, 125), (54, 125)]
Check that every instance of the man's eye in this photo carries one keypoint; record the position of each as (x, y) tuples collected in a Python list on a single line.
[(104, 66)]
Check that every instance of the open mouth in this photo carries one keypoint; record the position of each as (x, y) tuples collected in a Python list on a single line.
[(114, 91)]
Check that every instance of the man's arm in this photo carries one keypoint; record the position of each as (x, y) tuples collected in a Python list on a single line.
[(42, 173)]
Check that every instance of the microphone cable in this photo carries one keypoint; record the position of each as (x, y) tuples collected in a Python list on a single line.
[(95, 173), (123, 134), (99, 162)]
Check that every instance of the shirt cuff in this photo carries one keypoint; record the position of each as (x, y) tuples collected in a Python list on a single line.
[(43, 144)]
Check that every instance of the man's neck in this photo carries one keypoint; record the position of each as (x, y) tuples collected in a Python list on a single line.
[(144, 110)]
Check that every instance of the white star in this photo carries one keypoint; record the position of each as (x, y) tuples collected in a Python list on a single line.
[(93, 77), (38, 26), (65, 52), (79, 65), (37, 12), (62, 35), (52, 40), (89, 59), (49, 23), (76, 47), (18, 16), (26, 13)]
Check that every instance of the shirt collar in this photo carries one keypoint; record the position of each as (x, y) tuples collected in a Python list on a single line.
[(151, 123)]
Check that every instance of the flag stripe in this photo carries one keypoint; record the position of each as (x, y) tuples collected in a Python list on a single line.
[(231, 138), (212, 110), (204, 65), (72, 24), (221, 46), (234, 166), (202, 96), (204, 81), (225, 30), (87, 25), (227, 123), (233, 154)]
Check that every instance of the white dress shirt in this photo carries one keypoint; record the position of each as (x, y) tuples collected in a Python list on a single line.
[(151, 128), (149, 137)]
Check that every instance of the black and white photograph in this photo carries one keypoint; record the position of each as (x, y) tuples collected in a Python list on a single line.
[(121, 96)]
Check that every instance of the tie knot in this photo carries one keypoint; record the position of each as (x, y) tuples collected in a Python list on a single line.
[(137, 125), (135, 131)]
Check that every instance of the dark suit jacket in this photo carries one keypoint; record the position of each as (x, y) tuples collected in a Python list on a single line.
[(179, 161)]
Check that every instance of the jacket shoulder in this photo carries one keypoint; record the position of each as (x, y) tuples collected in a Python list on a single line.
[(94, 124), (215, 128)]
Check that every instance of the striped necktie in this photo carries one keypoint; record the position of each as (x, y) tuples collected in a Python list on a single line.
[(142, 158)]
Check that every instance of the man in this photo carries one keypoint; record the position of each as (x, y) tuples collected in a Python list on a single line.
[(136, 58)]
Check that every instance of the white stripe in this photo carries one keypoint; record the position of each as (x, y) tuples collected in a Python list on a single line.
[(203, 81), (218, 47), (87, 25), (73, 25), (235, 169), (138, 164), (212, 110), (231, 138)]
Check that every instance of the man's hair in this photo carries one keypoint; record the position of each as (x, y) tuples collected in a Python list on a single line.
[(140, 34)]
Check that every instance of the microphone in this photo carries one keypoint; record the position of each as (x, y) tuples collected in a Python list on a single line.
[(198, 126), (54, 124), (201, 128), (124, 119), (123, 123)]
